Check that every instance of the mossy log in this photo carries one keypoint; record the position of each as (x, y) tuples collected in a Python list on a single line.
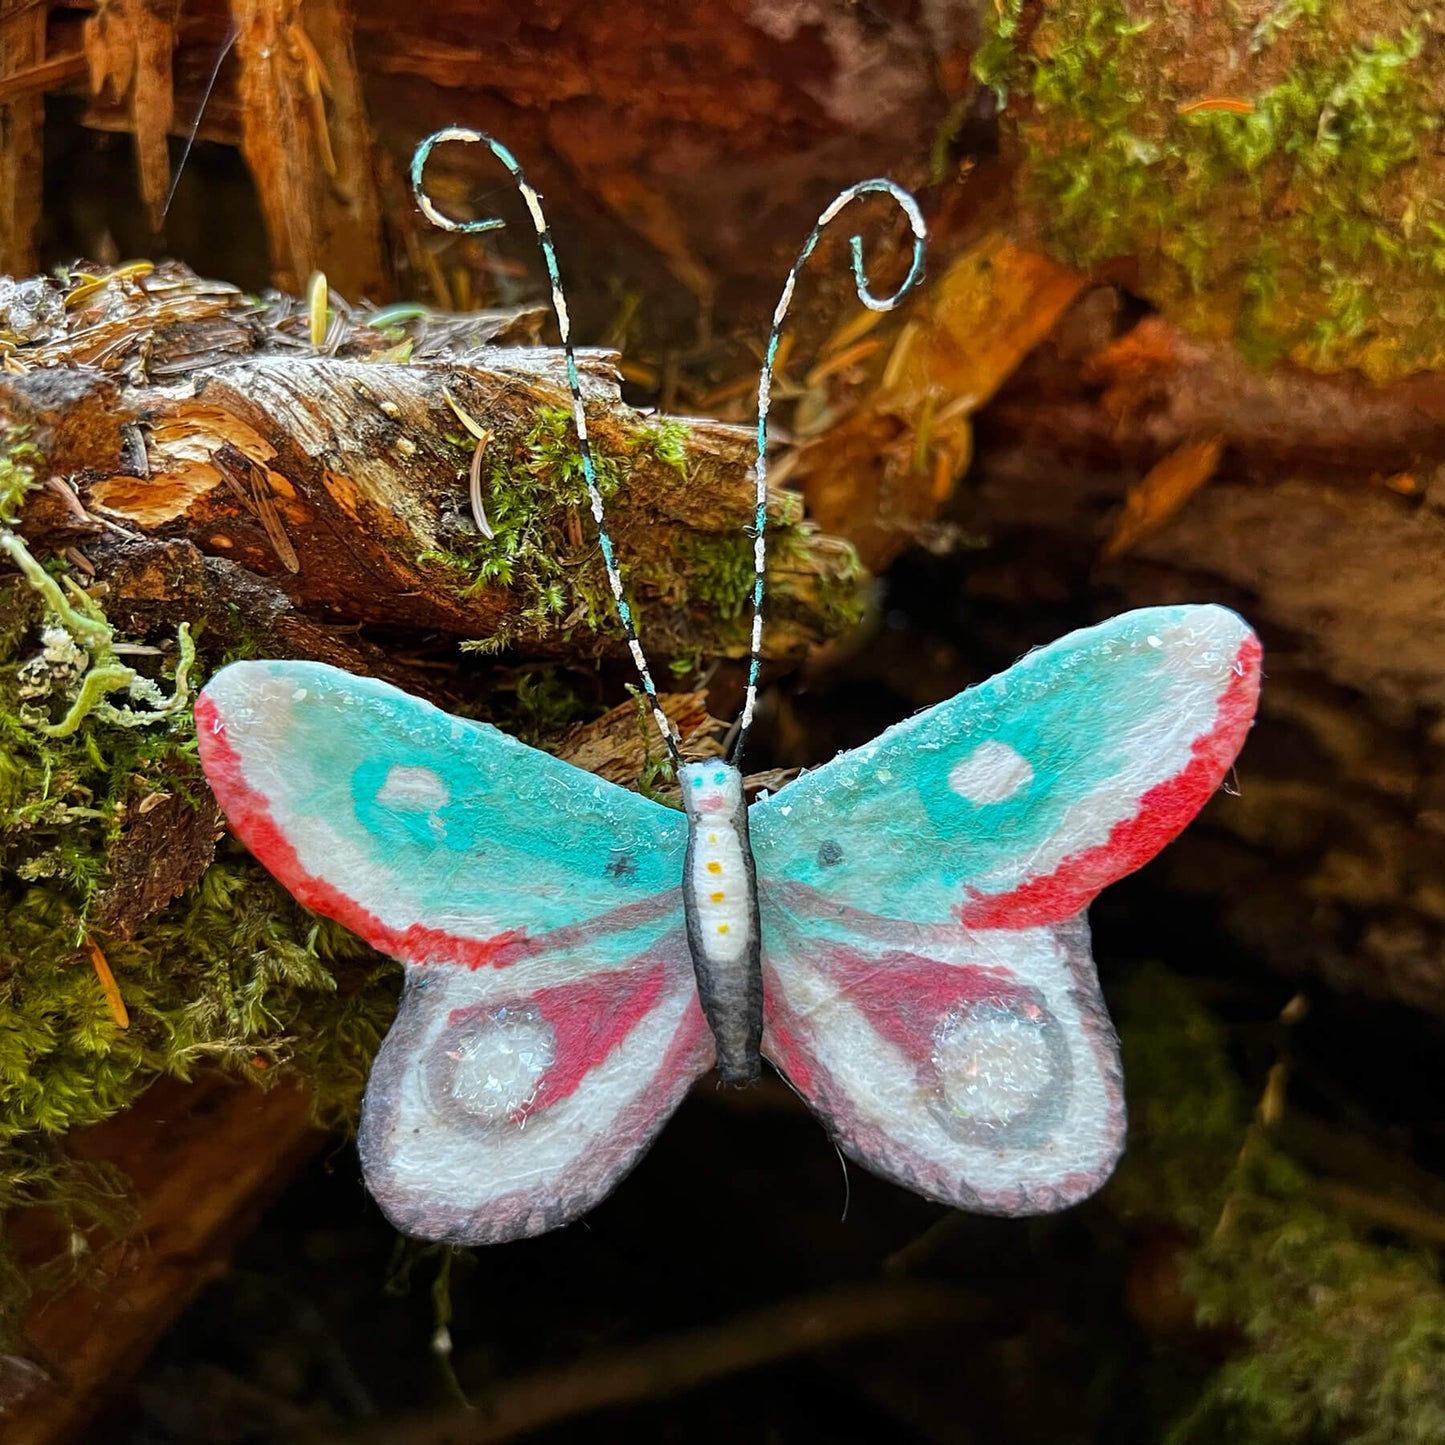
[(1266, 173), (340, 476)]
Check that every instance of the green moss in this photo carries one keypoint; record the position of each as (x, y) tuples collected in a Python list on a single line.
[(1310, 227), (719, 572), (233, 974), (530, 491), (667, 440), (543, 704), (18, 459), (687, 596), (1336, 1337), (998, 63)]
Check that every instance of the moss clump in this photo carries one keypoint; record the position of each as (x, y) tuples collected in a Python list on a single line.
[(233, 973), (1338, 1338), (666, 439), (544, 548), (535, 492), (1300, 211), (19, 456)]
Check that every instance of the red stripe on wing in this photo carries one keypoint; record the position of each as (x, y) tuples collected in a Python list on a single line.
[(1164, 812), (250, 815)]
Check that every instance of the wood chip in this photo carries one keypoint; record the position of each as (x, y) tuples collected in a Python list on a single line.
[(1165, 488)]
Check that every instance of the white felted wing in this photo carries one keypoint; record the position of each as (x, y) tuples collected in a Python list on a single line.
[(979, 1069), (508, 1102), (927, 977), (549, 1022)]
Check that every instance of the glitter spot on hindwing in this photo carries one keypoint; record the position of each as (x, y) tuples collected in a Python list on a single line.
[(487, 1066), (1001, 1071)]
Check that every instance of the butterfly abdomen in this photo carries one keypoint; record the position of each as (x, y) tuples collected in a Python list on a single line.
[(720, 899)]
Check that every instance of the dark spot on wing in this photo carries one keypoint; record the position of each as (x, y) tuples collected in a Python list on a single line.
[(622, 867), (829, 853)]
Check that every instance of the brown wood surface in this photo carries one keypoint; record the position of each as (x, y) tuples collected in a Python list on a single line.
[(184, 431), (22, 118), (205, 1158)]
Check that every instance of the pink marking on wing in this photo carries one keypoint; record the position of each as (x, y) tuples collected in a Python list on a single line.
[(784, 1048), (1164, 812), (905, 995), (250, 815), (887, 1007), (589, 1019)]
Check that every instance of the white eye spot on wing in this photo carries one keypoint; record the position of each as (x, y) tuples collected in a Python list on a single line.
[(993, 1065), (990, 773), (501, 1062), (414, 790)]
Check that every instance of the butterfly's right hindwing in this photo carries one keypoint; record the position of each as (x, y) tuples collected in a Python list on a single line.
[(979, 1069), (549, 1021)]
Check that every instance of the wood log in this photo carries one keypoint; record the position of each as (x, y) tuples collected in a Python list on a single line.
[(341, 479), (22, 51), (204, 1159), (663, 141)]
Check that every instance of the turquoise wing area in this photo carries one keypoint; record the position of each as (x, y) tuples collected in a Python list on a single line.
[(437, 839), (1014, 803)]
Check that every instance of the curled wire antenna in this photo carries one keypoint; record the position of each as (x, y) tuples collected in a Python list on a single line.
[(564, 326), (765, 386)]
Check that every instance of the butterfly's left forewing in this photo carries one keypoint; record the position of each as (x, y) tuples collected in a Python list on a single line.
[(549, 1021), (928, 982)]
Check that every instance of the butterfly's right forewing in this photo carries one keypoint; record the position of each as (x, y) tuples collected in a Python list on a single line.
[(549, 1022)]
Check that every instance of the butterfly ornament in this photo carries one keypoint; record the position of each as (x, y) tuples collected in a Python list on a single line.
[(901, 932)]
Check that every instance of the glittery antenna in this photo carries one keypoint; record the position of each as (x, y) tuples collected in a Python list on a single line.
[(765, 385), (579, 418)]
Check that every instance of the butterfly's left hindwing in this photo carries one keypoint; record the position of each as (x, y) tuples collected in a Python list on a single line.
[(927, 977), (549, 1022), (506, 1102)]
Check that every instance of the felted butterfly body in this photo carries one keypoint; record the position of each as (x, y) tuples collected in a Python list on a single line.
[(574, 960)]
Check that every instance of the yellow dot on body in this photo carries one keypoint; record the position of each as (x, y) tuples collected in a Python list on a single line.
[(717, 897), (714, 867), (722, 928), (712, 837)]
